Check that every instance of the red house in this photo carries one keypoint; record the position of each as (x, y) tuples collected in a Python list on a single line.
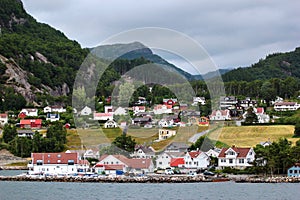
[(169, 101), (22, 115), (31, 123)]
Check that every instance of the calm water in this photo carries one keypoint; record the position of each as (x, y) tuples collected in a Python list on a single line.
[(181, 191)]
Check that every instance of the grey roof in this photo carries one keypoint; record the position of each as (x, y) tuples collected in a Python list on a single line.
[(25, 131), (177, 145)]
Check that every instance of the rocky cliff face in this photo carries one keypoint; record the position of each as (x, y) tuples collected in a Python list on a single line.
[(17, 78)]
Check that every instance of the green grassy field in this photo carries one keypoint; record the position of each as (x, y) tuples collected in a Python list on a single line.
[(93, 137), (245, 136)]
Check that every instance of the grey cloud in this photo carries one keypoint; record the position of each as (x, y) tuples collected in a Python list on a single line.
[(233, 32)]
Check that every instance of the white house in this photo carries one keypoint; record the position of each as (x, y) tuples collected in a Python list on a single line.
[(138, 109), (109, 109), (129, 165), (198, 100), (54, 109), (162, 109), (262, 117), (3, 119), (57, 163), (236, 157), (247, 103), (166, 123), (228, 102), (214, 152), (220, 115), (25, 133), (110, 124), (286, 106), (90, 153), (52, 117), (196, 160), (86, 111), (31, 112), (141, 151), (164, 134), (163, 160)]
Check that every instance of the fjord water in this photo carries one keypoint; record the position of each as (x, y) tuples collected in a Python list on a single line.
[(126, 191)]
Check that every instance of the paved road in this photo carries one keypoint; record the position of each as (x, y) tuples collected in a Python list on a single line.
[(195, 137)]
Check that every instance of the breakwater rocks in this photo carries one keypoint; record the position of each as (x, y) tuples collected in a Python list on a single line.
[(268, 180), (107, 179), (13, 168), (147, 179)]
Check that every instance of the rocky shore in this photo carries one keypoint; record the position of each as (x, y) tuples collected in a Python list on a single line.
[(147, 179), (107, 179), (268, 180)]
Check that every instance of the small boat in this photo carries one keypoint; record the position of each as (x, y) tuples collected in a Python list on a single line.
[(220, 180)]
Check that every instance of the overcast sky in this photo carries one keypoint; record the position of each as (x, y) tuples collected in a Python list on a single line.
[(234, 32)]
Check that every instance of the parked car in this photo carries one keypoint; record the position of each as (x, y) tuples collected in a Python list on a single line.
[(208, 173), (169, 171)]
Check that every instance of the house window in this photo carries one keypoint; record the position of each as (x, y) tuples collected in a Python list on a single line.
[(195, 163), (167, 157), (241, 160), (71, 162), (111, 162), (223, 160), (230, 161), (117, 162), (291, 171), (39, 162), (230, 153), (186, 163), (295, 171), (160, 163), (47, 169)]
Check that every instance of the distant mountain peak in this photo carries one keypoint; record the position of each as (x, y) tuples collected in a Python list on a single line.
[(135, 50)]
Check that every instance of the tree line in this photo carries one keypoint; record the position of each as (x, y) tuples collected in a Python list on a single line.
[(54, 141)]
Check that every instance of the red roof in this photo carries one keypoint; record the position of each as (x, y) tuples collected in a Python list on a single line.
[(103, 114), (242, 152), (133, 162), (110, 167), (3, 115), (194, 154), (260, 110), (22, 115), (54, 158), (30, 121), (176, 161)]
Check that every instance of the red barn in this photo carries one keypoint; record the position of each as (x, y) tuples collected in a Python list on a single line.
[(31, 123)]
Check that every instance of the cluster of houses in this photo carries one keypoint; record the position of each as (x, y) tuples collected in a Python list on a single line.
[(170, 113), (142, 161)]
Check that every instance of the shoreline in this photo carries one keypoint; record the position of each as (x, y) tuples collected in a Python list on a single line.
[(147, 179)]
